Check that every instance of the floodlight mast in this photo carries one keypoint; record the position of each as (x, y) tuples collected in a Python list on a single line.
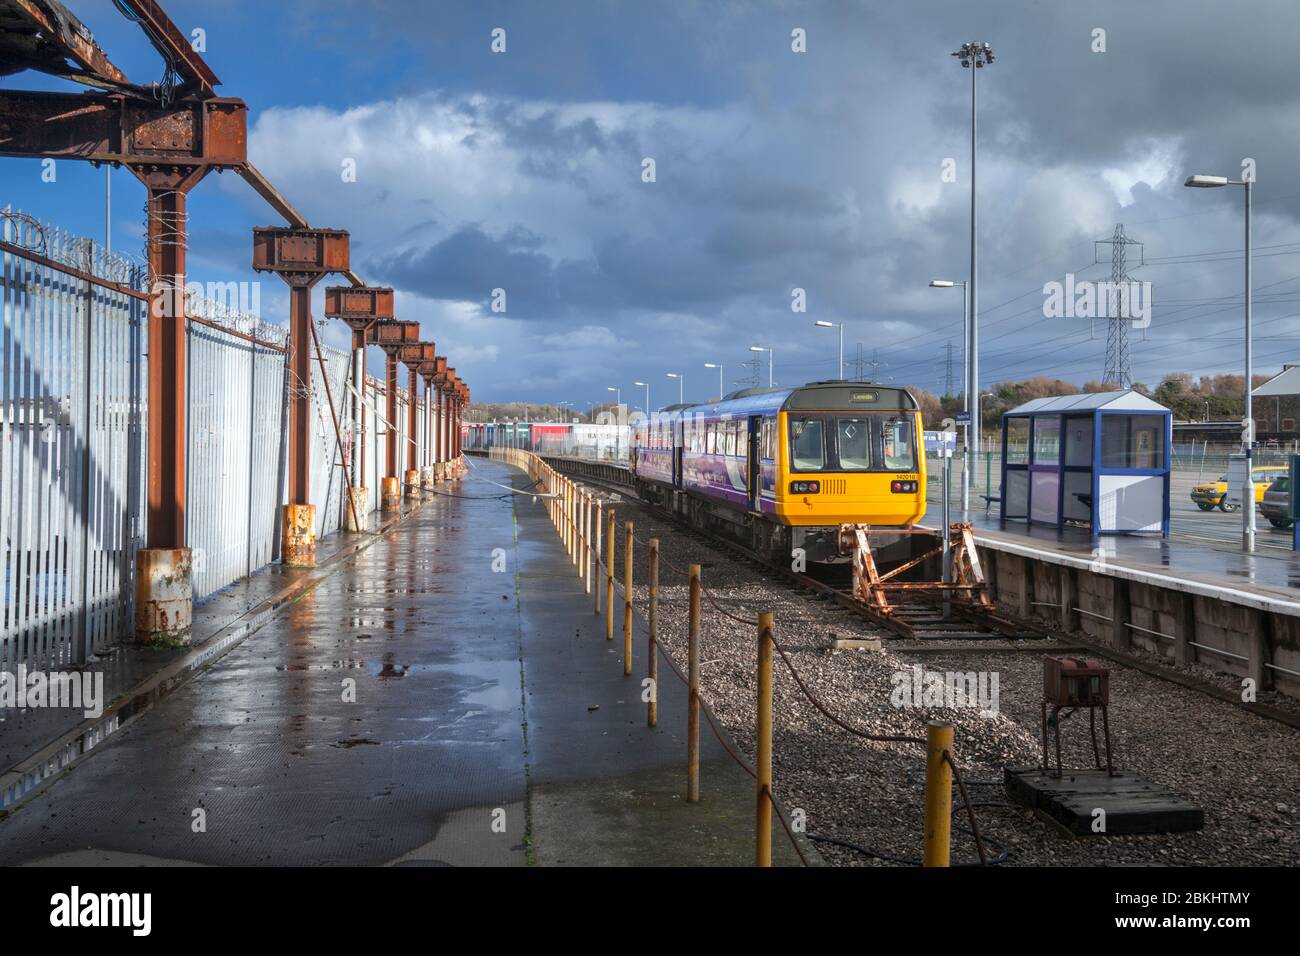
[(973, 56)]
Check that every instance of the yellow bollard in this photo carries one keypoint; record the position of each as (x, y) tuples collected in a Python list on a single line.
[(595, 576), (652, 625), (938, 794), (627, 601), (582, 537), (609, 580), (693, 697), (763, 763), (587, 512), (572, 524)]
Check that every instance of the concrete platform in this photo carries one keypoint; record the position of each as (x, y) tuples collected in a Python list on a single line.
[(1272, 575), (416, 707), (128, 666), (1131, 804)]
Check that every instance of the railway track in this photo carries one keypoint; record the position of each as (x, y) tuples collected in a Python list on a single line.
[(930, 632), (920, 618)]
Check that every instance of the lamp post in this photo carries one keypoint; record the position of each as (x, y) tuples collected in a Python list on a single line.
[(830, 325), (618, 413), (681, 386), (759, 348), (973, 56), (647, 396), (718, 366), (1248, 430), (965, 385)]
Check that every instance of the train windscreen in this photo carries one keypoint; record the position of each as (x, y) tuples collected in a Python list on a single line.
[(852, 443)]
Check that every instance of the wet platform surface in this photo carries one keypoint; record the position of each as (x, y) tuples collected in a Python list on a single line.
[(23, 732), (417, 707)]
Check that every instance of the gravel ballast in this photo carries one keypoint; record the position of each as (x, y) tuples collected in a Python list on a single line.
[(1243, 770)]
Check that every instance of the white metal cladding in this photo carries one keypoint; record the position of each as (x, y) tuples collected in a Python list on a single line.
[(72, 449), (327, 475), (236, 445)]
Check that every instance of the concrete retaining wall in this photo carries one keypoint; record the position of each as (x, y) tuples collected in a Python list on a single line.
[(1183, 621)]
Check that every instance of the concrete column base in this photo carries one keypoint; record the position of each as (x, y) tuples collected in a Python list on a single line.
[(360, 498), (412, 488), (390, 495), (298, 541), (426, 478), (164, 597), (439, 472)]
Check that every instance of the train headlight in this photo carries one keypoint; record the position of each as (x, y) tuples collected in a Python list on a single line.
[(903, 487), (805, 487)]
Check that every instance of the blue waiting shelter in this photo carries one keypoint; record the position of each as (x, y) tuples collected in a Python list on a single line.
[(1098, 460)]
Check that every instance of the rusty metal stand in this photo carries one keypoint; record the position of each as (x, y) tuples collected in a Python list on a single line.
[(1054, 721), (872, 588)]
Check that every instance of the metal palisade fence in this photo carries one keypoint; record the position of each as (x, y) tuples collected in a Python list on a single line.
[(72, 449), (73, 443)]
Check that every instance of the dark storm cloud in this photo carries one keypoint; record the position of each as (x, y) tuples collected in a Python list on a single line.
[(827, 176)]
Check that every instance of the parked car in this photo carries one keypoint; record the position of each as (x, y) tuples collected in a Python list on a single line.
[(1276, 504), (1212, 495)]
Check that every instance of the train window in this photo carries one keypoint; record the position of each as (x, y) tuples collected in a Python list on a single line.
[(898, 444), (854, 442), (711, 438), (807, 444)]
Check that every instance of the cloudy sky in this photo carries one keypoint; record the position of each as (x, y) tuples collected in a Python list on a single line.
[(775, 170)]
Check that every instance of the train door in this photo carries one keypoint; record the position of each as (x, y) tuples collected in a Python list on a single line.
[(679, 434), (754, 472)]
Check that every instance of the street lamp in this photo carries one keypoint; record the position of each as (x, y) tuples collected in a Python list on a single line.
[(759, 348), (618, 415), (973, 56), (718, 366), (681, 386), (965, 385), (1248, 433), (830, 325), (647, 395)]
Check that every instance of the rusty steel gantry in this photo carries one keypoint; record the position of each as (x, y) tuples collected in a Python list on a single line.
[(360, 307), (170, 137), (391, 335), (301, 257)]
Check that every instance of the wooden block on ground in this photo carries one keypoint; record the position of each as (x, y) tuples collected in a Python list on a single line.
[(856, 644), (1132, 803)]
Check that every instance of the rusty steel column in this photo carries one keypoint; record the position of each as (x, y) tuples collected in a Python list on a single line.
[(412, 476), (300, 394), (359, 406), (301, 257), (392, 494), (164, 591), (437, 432), (298, 539)]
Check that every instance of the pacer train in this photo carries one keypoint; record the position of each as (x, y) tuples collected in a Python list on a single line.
[(779, 469)]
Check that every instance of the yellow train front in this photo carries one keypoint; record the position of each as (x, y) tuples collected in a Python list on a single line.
[(781, 469)]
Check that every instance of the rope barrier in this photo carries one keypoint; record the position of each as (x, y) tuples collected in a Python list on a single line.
[(711, 718)]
